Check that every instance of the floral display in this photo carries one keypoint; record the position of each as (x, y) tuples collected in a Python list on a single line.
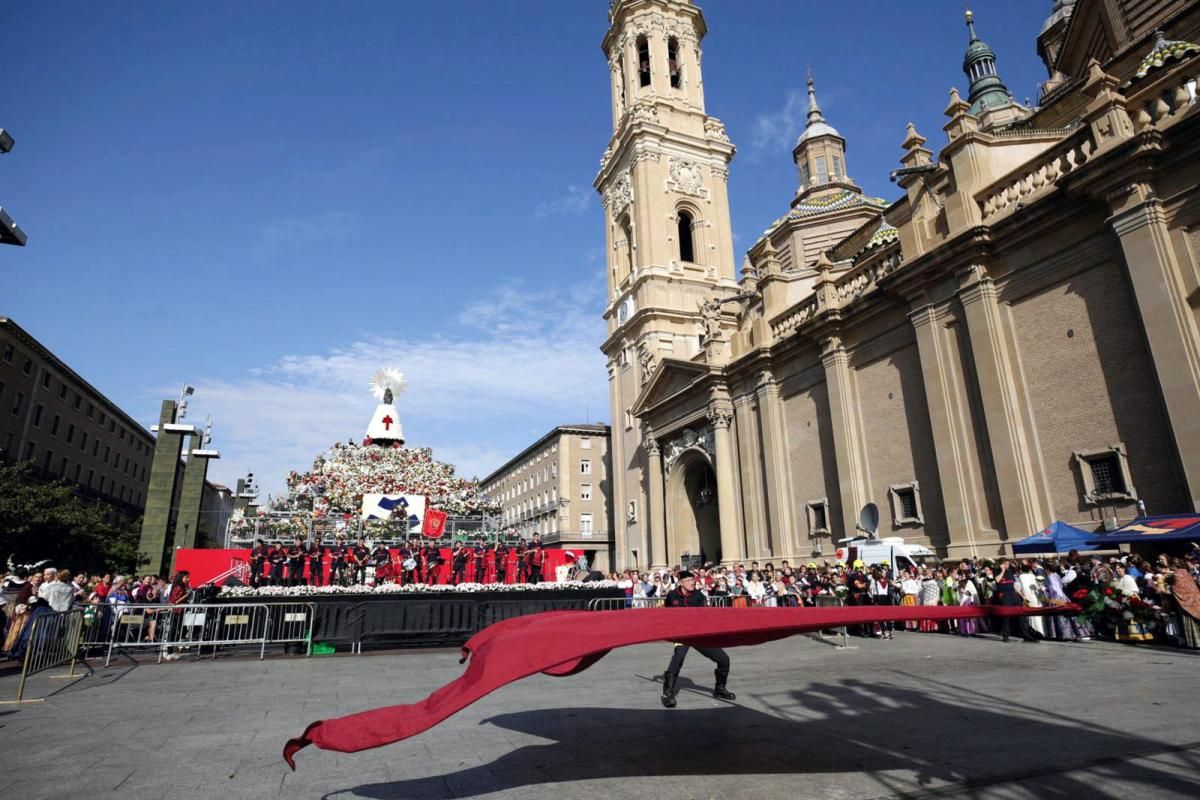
[(411, 588), (340, 477), (1107, 605)]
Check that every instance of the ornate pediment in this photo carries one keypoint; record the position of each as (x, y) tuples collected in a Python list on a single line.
[(671, 377)]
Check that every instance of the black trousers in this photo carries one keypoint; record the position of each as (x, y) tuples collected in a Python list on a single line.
[(1023, 628), (295, 571), (314, 573), (460, 573), (256, 573), (276, 573), (714, 654)]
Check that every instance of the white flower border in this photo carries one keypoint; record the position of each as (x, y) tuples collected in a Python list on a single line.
[(411, 588)]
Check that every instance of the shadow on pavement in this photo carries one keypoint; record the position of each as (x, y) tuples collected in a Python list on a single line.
[(910, 742)]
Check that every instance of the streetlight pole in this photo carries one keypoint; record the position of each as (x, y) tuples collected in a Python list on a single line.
[(10, 232)]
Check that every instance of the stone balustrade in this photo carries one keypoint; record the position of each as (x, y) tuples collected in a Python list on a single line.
[(1037, 177)]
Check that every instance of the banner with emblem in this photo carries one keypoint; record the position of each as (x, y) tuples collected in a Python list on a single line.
[(435, 523), (395, 507)]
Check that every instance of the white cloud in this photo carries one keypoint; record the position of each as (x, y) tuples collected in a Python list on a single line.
[(522, 360), (777, 130), (575, 201)]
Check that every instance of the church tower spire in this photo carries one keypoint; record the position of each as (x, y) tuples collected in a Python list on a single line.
[(669, 238), (979, 64), (820, 154)]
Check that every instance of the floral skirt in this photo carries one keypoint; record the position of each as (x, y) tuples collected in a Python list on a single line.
[(1191, 630)]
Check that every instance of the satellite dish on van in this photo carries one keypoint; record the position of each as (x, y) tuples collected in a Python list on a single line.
[(868, 519)]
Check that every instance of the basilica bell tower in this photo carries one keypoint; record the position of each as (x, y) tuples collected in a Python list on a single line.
[(668, 235)]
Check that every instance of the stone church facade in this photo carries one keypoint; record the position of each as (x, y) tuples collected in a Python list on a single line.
[(1015, 340)]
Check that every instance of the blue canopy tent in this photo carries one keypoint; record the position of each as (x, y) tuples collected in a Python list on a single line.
[(1059, 537), (1152, 530)]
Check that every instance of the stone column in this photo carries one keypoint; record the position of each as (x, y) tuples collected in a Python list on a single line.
[(953, 465), (720, 414), (781, 511), (656, 517), (1018, 465), (758, 533), (852, 473), (191, 497), (1154, 272), (156, 523)]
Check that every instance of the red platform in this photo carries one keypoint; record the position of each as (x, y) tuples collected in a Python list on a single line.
[(204, 565)]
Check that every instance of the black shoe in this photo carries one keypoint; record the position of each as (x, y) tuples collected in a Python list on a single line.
[(721, 693), (668, 691)]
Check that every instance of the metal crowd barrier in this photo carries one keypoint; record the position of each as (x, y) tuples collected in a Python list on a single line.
[(182, 627), (832, 601), (53, 641)]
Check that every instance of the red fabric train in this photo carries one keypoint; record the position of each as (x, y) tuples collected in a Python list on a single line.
[(564, 643)]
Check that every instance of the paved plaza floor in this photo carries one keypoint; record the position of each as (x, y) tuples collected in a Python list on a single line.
[(924, 715)]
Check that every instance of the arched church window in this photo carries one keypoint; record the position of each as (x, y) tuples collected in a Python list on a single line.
[(687, 250), (643, 48), (673, 65)]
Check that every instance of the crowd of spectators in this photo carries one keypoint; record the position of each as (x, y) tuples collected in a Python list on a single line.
[(1164, 591), (27, 593)]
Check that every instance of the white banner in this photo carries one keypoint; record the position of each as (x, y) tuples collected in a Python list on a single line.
[(396, 506)]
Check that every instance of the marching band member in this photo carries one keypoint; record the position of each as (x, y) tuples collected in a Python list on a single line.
[(295, 559), (337, 561), (500, 554), (315, 554), (381, 559), (276, 558), (258, 558), (357, 560), (480, 569), (458, 557)]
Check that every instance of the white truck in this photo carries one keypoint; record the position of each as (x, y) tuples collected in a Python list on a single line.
[(893, 551)]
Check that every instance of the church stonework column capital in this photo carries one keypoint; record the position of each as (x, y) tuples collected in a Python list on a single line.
[(651, 444), (720, 414)]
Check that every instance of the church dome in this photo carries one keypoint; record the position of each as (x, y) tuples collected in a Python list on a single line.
[(816, 129)]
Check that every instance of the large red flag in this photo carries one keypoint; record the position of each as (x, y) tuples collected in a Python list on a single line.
[(435, 523)]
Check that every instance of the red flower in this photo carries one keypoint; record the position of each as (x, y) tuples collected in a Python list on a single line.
[(1081, 594), (1108, 591)]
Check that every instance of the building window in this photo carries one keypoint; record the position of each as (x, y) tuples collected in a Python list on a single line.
[(623, 357), (37, 416), (28, 451), (91, 477), (631, 511), (8, 353), (91, 409), (805, 173), (628, 420), (687, 252), (46, 380), (822, 170), (673, 66), (585, 491), (54, 425), (643, 48), (96, 448), (818, 517), (28, 367), (47, 459), (78, 469), (906, 504), (837, 168), (83, 440), (62, 467), (1105, 475), (627, 256), (585, 443), (103, 418), (18, 398), (71, 434), (585, 524), (585, 467), (62, 392), (78, 401)]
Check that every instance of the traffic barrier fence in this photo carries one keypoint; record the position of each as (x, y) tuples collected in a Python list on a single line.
[(53, 640)]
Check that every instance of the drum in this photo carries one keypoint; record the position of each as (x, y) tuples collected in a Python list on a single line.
[(370, 579), (409, 564)]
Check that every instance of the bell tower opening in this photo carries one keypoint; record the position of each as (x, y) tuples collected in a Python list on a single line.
[(687, 249), (643, 49)]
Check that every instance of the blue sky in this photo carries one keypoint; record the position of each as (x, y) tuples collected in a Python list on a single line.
[(270, 200)]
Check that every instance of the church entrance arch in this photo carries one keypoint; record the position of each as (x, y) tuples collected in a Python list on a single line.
[(693, 524)]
